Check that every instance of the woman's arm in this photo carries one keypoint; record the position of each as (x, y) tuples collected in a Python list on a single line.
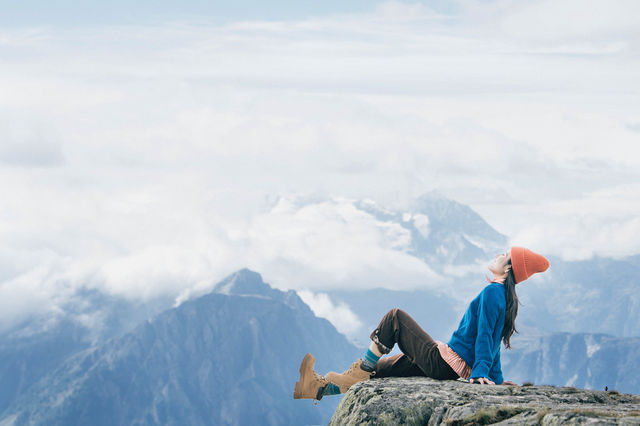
[(488, 315), (496, 370)]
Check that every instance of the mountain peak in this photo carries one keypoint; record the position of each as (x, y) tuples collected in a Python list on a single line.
[(435, 201), (246, 282), (243, 282), (451, 215)]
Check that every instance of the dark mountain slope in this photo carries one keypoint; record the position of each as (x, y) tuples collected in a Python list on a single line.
[(40, 344), (227, 358)]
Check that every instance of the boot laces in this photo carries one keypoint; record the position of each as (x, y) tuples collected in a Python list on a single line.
[(357, 367)]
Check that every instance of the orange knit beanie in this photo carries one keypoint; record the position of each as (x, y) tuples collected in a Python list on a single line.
[(526, 263)]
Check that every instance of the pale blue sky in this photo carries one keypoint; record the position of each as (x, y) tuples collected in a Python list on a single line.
[(94, 12)]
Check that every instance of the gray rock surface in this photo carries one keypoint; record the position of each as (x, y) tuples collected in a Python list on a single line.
[(424, 401)]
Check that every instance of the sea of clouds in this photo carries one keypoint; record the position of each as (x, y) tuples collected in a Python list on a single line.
[(150, 159)]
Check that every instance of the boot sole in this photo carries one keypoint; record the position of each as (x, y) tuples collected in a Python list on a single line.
[(298, 391)]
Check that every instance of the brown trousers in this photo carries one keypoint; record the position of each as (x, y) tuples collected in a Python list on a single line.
[(420, 355)]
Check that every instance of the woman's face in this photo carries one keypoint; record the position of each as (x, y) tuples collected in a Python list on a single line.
[(500, 264)]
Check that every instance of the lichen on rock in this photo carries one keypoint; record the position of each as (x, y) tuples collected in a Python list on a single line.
[(424, 401)]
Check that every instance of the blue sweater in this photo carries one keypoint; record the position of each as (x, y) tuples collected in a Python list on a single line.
[(477, 339)]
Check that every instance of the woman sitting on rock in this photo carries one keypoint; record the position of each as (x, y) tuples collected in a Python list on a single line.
[(472, 353)]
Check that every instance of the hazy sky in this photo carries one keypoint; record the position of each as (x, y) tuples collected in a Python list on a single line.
[(140, 145), (92, 12)]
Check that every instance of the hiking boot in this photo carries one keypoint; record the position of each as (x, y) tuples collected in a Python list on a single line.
[(310, 385), (347, 379)]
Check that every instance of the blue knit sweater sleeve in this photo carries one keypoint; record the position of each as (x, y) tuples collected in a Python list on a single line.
[(488, 318), (496, 371)]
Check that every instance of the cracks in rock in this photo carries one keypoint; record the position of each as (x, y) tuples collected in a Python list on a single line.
[(427, 401), (488, 416)]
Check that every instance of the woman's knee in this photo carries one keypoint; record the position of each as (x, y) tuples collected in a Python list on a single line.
[(397, 312), (394, 311)]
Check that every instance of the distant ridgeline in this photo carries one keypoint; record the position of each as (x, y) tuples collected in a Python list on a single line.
[(229, 357), (232, 356), (591, 361)]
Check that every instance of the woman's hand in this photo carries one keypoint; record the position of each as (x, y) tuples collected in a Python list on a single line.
[(482, 381), (509, 383)]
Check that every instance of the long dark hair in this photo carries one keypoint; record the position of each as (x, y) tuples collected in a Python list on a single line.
[(511, 311)]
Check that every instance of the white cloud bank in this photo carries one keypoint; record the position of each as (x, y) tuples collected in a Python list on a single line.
[(331, 244), (140, 159)]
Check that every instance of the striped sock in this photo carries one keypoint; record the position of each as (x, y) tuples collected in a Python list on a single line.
[(369, 361), (330, 389)]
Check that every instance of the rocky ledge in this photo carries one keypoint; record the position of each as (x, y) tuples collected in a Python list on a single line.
[(423, 401)]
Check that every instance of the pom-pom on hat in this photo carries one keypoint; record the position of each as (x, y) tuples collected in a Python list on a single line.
[(526, 263)]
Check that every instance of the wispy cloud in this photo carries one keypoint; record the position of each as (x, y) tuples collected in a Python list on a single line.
[(591, 20), (340, 315), (29, 144)]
